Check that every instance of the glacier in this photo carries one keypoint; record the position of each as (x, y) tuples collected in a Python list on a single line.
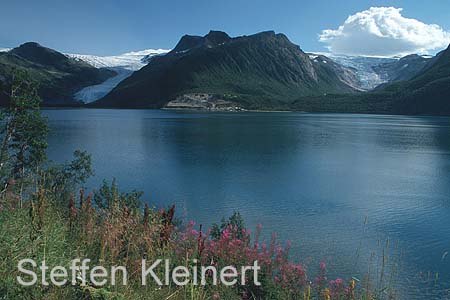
[(130, 61), (124, 65), (94, 92), (363, 66)]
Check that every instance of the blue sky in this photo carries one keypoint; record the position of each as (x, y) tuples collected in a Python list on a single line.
[(106, 27)]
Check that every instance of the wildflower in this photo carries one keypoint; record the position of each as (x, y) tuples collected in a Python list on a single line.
[(89, 202), (146, 215), (288, 244), (201, 242), (72, 211), (125, 212), (326, 294), (337, 287), (307, 293), (279, 250), (350, 291), (352, 284), (226, 234), (321, 280), (216, 296), (81, 198), (167, 222)]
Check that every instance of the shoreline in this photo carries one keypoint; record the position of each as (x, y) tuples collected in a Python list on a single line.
[(241, 111)]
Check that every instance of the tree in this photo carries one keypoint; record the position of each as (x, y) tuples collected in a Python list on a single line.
[(62, 179), (109, 196), (24, 132)]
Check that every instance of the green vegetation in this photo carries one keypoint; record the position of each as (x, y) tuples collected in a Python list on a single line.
[(428, 93), (264, 70), (58, 76), (41, 218), (23, 135)]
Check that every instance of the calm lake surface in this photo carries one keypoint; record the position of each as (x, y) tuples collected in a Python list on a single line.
[(341, 187)]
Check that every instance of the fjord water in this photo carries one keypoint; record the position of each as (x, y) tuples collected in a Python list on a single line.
[(341, 187)]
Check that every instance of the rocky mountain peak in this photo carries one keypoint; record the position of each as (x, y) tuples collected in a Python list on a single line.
[(217, 37)]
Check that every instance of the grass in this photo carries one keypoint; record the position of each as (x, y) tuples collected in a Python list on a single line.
[(118, 234)]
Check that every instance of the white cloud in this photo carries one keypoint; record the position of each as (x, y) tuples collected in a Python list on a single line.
[(383, 31)]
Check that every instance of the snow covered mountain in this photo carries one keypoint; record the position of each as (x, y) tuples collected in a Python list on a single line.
[(363, 67), (374, 71), (124, 65), (130, 61), (369, 72)]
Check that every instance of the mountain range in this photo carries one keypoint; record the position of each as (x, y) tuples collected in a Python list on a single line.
[(70, 79), (264, 70), (425, 93), (375, 71), (216, 71), (59, 76), (124, 65)]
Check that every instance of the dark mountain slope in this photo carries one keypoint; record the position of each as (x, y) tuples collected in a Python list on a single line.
[(438, 71), (403, 69), (264, 70), (59, 77), (428, 92)]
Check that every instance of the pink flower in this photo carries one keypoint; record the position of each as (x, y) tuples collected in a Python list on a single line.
[(323, 265), (226, 234), (279, 250), (216, 296), (288, 245)]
